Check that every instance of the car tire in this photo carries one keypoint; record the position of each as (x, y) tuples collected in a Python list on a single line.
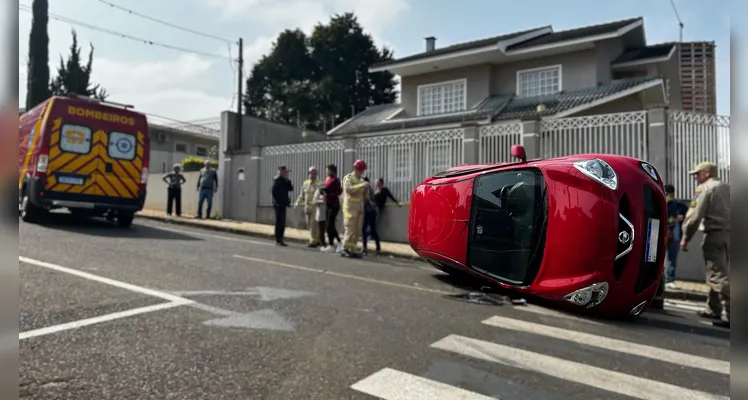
[(125, 219), (29, 212)]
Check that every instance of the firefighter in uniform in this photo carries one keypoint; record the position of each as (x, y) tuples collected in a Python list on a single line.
[(355, 192), (307, 198), (710, 212)]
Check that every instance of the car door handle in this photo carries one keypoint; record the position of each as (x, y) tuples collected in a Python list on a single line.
[(108, 167)]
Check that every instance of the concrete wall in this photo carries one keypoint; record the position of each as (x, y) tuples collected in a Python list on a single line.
[(155, 198)]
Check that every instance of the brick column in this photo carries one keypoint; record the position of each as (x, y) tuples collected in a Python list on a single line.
[(470, 144), (657, 141), (531, 139)]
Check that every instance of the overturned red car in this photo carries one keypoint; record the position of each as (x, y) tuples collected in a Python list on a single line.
[(587, 231)]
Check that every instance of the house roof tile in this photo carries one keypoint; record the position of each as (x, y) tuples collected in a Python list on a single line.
[(498, 107), (554, 37), (645, 53)]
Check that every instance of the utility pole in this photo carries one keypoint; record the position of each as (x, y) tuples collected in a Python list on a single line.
[(239, 94)]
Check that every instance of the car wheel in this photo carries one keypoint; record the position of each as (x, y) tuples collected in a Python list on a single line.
[(125, 219), (29, 212)]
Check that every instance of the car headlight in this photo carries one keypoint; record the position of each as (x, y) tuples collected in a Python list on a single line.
[(589, 296), (598, 170)]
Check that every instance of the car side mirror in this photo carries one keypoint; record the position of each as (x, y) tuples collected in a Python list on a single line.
[(518, 151)]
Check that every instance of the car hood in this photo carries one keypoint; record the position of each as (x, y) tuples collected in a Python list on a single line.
[(575, 214)]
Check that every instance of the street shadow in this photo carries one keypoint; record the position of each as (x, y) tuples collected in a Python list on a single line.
[(652, 319), (103, 228)]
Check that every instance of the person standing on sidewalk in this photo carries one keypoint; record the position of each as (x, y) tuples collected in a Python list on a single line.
[(710, 212), (381, 195), (281, 201), (320, 214), (333, 191), (356, 192), (174, 180), (207, 184), (370, 221), (676, 212), (307, 198)]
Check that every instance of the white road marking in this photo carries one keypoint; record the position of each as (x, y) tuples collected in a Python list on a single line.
[(106, 281), (595, 377), (620, 346), (347, 276), (97, 320), (390, 384), (191, 232), (684, 305), (553, 313)]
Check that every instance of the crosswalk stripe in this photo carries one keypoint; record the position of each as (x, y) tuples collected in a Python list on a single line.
[(620, 346), (390, 384), (554, 313), (595, 377)]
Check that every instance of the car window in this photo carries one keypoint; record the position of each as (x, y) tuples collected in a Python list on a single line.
[(122, 146), (75, 139)]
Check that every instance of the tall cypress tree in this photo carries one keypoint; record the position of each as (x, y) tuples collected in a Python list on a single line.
[(75, 77), (37, 86)]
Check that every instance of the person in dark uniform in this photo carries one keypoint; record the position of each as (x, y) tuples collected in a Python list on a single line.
[(369, 227), (281, 201), (676, 212), (175, 180)]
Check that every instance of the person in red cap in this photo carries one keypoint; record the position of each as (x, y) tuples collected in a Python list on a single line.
[(355, 191)]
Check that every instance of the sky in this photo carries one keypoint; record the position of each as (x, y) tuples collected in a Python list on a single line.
[(188, 87)]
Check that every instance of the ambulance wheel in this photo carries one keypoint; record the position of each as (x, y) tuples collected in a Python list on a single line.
[(125, 219), (29, 212)]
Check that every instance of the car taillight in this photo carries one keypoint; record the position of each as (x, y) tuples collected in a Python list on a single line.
[(41, 164), (144, 176)]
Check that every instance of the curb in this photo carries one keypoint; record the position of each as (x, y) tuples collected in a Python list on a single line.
[(244, 232), (687, 295)]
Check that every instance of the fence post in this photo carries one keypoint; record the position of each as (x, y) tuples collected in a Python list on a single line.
[(531, 138), (349, 156), (250, 188), (657, 141), (470, 144)]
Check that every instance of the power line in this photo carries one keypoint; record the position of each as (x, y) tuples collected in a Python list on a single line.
[(169, 24), (71, 21)]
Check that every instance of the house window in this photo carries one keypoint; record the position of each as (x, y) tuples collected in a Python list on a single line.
[(438, 158), (539, 81), (180, 147), (201, 151), (401, 165), (442, 98)]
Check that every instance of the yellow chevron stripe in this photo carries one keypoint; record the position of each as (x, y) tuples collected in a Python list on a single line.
[(82, 188), (121, 177), (106, 187), (61, 160), (138, 164)]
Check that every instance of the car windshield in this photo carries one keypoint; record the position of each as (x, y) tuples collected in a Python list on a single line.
[(509, 215)]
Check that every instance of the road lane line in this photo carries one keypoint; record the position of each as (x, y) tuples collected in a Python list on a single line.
[(101, 279), (192, 232), (347, 276), (620, 346), (553, 313), (599, 378), (389, 384), (97, 320)]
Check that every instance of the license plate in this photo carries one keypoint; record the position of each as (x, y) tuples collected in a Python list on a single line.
[(653, 236), (70, 180)]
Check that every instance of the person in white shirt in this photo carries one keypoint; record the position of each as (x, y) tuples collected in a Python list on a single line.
[(320, 214)]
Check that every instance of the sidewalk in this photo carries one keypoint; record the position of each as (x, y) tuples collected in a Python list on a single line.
[(687, 290)]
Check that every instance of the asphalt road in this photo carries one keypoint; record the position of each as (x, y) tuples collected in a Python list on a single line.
[(168, 312)]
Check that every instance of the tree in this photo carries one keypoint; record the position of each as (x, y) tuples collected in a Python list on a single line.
[(322, 79), (37, 79), (73, 77)]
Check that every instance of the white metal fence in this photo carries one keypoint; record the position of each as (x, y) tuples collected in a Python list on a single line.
[(404, 160), (298, 158), (496, 142), (620, 133), (694, 138)]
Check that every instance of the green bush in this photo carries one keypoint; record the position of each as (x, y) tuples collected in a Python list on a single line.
[(190, 164)]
